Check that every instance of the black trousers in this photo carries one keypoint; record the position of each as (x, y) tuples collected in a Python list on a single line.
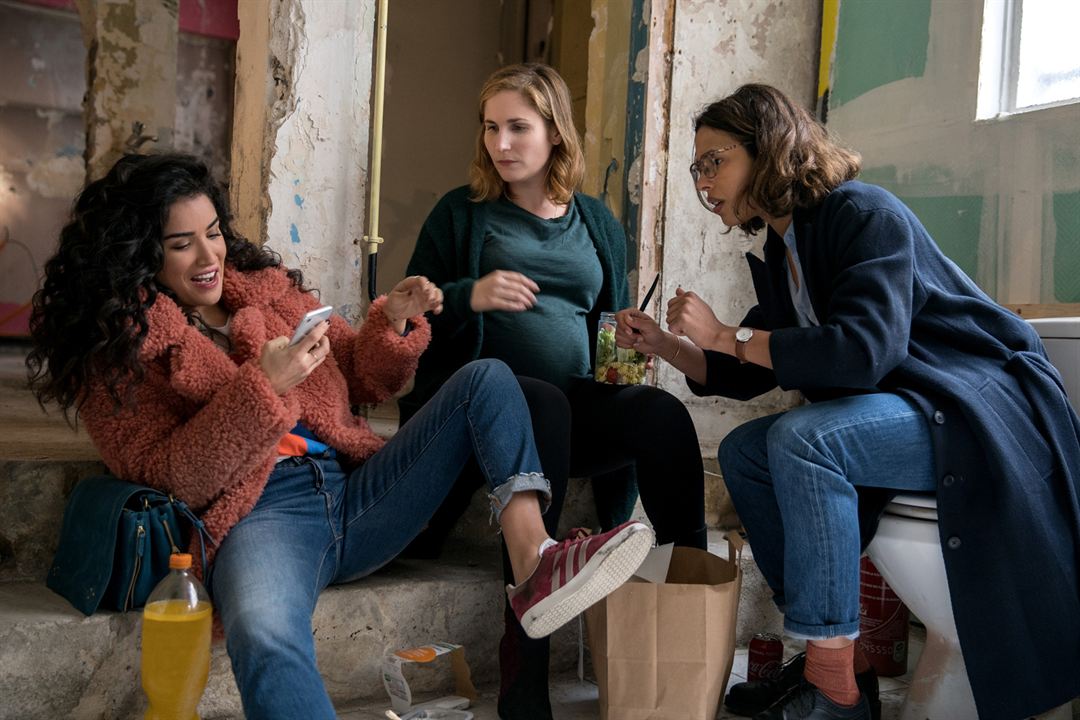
[(628, 440)]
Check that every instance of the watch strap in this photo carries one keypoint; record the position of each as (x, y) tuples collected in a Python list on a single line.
[(740, 348)]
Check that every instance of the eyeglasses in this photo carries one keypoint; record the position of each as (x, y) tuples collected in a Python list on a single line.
[(708, 165)]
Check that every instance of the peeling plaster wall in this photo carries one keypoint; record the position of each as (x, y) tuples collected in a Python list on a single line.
[(41, 145), (43, 133), (717, 47), (318, 180), (1001, 197), (204, 94), (131, 77)]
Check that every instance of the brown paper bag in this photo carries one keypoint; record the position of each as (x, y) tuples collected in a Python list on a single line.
[(664, 651)]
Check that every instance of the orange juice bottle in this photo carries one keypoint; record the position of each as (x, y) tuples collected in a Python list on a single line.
[(176, 643)]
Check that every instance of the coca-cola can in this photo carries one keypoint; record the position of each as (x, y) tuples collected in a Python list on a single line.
[(766, 657)]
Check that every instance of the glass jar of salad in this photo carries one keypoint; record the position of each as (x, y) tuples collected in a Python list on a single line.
[(615, 365)]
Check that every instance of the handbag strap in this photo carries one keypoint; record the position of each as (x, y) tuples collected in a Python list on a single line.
[(198, 526)]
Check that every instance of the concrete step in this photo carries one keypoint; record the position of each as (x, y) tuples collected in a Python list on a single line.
[(54, 662)]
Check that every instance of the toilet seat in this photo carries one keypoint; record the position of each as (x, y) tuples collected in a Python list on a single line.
[(917, 507)]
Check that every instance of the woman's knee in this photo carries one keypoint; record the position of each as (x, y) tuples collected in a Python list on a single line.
[(490, 375), (266, 627), (793, 432), (729, 455), (546, 401), (659, 403), (742, 451)]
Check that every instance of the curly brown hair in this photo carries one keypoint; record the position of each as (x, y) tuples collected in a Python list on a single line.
[(89, 317), (795, 161), (546, 91)]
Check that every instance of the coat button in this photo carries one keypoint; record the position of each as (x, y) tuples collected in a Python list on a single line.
[(948, 480), (954, 542), (939, 417)]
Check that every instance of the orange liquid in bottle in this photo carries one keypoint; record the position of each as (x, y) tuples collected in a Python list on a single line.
[(175, 658)]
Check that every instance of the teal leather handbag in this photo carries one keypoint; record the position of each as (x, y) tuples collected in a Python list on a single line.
[(115, 543)]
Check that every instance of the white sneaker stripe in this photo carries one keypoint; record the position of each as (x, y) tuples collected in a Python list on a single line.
[(581, 556), (557, 579)]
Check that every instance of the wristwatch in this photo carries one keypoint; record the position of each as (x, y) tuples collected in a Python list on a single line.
[(742, 336)]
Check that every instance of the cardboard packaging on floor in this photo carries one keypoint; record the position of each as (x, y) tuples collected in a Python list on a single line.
[(401, 697), (663, 644)]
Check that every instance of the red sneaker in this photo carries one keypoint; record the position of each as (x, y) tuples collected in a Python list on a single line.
[(576, 573)]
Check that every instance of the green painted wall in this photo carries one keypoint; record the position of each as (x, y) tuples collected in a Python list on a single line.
[(885, 176), (1067, 247), (878, 42), (954, 221), (954, 224)]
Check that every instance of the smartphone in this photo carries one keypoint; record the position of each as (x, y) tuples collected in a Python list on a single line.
[(309, 321)]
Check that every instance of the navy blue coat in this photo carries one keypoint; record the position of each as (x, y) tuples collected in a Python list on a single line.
[(898, 316)]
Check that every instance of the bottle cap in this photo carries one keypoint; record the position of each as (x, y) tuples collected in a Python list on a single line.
[(179, 561)]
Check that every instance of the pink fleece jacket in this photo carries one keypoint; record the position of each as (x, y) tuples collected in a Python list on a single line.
[(205, 425)]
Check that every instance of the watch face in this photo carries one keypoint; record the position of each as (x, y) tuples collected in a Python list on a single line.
[(744, 334)]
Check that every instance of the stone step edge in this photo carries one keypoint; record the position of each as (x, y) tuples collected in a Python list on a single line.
[(54, 662)]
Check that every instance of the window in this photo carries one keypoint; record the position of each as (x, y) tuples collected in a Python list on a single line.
[(1030, 56)]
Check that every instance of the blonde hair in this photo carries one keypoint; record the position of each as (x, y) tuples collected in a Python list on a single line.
[(546, 91)]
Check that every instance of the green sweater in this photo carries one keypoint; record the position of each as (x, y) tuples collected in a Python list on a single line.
[(448, 253)]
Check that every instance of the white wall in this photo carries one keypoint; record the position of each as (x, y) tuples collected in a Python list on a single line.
[(716, 48), (318, 181)]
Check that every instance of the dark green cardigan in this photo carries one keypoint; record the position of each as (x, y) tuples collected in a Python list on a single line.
[(448, 253)]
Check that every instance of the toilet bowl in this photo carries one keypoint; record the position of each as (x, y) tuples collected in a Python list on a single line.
[(907, 552)]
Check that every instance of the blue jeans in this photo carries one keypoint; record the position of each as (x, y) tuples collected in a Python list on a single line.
[(315, 525), (792, 477)]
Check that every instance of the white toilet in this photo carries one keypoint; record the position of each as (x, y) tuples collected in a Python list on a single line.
[(907, 552)]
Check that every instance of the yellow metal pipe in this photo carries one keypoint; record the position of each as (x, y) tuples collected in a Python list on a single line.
[(375, 176)]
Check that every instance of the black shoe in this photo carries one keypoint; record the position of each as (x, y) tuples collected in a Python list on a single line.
[(806, 702), (751, 698), (523, 670)]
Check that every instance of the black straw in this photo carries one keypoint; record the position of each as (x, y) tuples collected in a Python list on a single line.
[(648, 295)]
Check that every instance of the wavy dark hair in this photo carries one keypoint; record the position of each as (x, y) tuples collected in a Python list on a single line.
[(795, 161), (89, 317)]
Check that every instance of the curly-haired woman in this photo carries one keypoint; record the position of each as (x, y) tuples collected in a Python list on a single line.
[(526, 264), (168, 336), (918, 382)]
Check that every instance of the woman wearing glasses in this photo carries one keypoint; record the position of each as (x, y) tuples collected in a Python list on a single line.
[(908, 366), (526, 264)]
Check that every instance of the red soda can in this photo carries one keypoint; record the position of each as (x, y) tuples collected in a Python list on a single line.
[(766, 657), (883, 623)]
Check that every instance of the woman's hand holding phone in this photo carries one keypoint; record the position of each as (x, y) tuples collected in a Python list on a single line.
[(287, 364)]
